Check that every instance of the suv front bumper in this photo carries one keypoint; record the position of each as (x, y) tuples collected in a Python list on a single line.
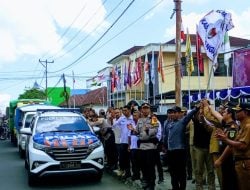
[(41, 164)]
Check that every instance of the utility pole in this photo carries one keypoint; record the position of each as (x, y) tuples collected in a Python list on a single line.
[(44, 64), (178, 95), (65, 93)]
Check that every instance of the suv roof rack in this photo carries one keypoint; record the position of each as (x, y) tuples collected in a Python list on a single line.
[(75, 110)]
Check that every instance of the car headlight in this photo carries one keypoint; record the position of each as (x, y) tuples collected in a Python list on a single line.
[(39, 146), (95, 145)]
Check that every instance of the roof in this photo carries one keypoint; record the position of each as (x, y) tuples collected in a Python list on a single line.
[(34, 107), (127, 52), (96, 97), (234, 41)]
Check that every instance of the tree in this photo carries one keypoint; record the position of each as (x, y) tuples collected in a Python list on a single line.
[(33, 94)]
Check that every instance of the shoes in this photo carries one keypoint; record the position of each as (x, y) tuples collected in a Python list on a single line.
[(160, 181), (125, 175), (166, 170), (189, 178), (204, 182), (114, 167), (119, 172), (135, 178)]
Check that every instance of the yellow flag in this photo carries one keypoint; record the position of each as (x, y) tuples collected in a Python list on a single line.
[(189, 57)]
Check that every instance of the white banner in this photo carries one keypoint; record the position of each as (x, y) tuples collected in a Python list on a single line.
[(212, 29)]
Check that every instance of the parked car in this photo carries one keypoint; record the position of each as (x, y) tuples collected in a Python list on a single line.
[(62, 143), (22, 138), (20, 118)]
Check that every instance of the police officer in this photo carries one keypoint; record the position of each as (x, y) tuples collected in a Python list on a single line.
[(240, 147), (149, 133)]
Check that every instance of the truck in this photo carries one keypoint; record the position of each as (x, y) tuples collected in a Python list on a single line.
[(12, 108)]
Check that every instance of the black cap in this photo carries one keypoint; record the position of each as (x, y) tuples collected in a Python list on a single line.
[(170, 110), (145, 104), (242, 106), (176, 109), (230, 104)]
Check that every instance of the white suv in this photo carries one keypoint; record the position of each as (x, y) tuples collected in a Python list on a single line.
[(62, 142)]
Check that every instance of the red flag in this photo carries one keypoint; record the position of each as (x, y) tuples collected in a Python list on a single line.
[(182, 33), (113, 82), (160, 65), (198, 53), (146, 70), (129, 81), (138, 71)]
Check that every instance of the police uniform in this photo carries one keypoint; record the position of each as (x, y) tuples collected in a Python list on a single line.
[(147, 129), (242, 156), (229, 178)]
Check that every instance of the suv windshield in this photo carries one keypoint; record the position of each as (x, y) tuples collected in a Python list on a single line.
[(61, 123)]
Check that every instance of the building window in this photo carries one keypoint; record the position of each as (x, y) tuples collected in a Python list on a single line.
[(195, 72), (222, 68)]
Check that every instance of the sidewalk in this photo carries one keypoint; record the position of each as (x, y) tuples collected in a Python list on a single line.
[(166, 185)]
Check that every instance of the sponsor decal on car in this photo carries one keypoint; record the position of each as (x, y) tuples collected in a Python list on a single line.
[(65, 139)]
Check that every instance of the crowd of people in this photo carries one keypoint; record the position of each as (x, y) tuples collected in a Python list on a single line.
[(199, 144)]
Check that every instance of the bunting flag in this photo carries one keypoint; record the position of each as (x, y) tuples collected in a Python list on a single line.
[(113, 81), (212, 28), (125, 75), (129, 79), (146, 70), (189, 56), (92, 82), (138, 71), (160, 65), (134, 71), (198, 52), (152, 68), (117, 78)]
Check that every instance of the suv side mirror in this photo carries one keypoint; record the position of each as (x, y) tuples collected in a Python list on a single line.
[(26, 131)]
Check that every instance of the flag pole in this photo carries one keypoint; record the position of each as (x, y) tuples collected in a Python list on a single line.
[(161, 98), (74, 101), (189, 94), (198, 59), (135, 91), (161, 57)]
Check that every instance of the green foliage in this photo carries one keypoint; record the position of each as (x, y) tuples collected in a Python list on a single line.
[(33, 94)]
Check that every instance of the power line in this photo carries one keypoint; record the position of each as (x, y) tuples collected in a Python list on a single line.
[(79, 58), (81, 41), (78, 32), (38, 77), (68, 28), (125, 28)]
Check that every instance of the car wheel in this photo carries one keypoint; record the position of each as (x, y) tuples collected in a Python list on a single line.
[(26, 164), (98, 177), (21, 152)]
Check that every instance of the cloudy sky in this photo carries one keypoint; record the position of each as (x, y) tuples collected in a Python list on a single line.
[(64, 31)]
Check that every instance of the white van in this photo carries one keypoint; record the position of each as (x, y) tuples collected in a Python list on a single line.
[(26, 114)]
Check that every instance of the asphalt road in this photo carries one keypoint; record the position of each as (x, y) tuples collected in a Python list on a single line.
[(13, 175)]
